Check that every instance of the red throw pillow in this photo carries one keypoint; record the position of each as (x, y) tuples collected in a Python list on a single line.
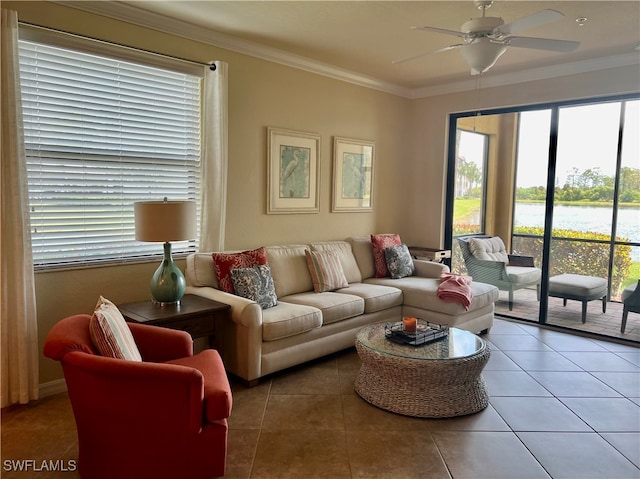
[(379, 243), (225, 262)]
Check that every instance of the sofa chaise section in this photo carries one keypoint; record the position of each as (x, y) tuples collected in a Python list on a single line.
[(419, 292)]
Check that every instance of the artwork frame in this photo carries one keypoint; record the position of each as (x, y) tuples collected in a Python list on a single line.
[(293, 171), (353, 175)]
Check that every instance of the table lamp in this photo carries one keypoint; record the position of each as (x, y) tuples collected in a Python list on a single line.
[(163, 222)]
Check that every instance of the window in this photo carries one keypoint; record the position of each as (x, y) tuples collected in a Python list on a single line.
[(470, 180), (101, 133)]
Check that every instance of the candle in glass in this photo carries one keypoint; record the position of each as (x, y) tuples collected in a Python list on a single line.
[(409, 325)]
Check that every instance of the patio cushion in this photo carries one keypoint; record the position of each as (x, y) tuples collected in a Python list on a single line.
[(577, 285), (488, 249), (523, 274)]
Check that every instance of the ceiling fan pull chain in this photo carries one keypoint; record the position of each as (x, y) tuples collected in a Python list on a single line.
[(475, 117)]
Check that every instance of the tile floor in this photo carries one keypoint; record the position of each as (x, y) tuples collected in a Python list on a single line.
[(561, 406)]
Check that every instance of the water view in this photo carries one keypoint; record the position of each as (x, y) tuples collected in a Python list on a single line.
[(596, 219)]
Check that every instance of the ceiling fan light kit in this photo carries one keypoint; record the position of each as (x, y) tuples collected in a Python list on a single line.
[(487, 38), (482, 54)]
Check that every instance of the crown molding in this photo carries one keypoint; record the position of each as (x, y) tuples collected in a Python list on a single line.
[(532, 74), (154, 21), (136, 16)]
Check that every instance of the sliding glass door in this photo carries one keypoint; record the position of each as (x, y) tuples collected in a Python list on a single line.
[(583, 212), (561, 184)]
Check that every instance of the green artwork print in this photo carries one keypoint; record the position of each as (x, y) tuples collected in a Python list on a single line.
[(353, 176), (294, 172)]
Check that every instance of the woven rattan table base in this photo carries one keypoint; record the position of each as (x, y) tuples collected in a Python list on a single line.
[(423, 388)]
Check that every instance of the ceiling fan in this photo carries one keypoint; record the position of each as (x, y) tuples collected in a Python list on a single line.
[(487, 38)]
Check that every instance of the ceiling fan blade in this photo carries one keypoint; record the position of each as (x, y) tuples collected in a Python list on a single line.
[(530, 21), (440, 30), (450, 47), (543, 44)]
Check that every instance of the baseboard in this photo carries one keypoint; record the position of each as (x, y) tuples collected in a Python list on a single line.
[(52, 387)]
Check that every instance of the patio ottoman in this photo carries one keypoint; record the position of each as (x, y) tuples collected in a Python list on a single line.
[(579, 287)]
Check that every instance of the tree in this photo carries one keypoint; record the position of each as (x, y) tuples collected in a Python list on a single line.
[(590, 185), (629, 179)]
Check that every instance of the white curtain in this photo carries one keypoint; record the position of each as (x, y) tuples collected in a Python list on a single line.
[(214, 159), (18, 321)]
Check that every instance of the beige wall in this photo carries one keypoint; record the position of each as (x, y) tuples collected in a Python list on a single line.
[(410, 139)]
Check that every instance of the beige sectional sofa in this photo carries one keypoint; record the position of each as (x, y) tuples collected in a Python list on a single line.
[(306, 325)]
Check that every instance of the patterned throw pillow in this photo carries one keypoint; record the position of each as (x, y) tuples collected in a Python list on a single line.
[(110, 334), (399, 261), (379, 243), (255, 283), (326, 270), (225, 262)]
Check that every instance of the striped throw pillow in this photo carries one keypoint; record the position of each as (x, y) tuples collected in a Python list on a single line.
[(110, 334), (326, 270)]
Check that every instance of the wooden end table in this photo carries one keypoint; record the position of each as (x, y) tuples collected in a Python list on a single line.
[(195, 315), (431, 254)]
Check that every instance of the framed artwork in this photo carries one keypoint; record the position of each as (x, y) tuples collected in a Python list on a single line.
[(352, 175), (293, 172)]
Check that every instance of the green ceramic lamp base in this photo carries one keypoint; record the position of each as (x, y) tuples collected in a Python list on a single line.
[(168, 284)]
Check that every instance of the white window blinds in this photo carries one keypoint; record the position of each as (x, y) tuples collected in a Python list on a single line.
[(100, 134)]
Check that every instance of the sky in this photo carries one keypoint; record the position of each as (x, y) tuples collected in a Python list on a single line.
[(587, 139)]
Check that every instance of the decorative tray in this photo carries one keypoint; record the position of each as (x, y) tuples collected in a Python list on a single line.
[(425, 333)]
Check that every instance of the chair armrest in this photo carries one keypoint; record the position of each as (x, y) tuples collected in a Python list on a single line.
[(103, 389), (516, 260), (634, 298), (486, 271), (68, 335), (157, 344), (217, 392)]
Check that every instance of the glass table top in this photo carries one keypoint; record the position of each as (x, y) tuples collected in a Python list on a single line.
[(458, 344)]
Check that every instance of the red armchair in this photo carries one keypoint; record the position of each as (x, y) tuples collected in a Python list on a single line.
[(164, 417)]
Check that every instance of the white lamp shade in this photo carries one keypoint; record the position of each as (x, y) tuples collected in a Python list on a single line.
[(164, 221)]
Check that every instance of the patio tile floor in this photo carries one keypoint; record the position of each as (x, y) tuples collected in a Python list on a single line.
[(526, 307)]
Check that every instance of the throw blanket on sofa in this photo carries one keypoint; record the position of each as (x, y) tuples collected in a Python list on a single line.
[(455, 288)]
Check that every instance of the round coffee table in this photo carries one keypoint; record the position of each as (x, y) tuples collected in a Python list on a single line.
[(440, 379)]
